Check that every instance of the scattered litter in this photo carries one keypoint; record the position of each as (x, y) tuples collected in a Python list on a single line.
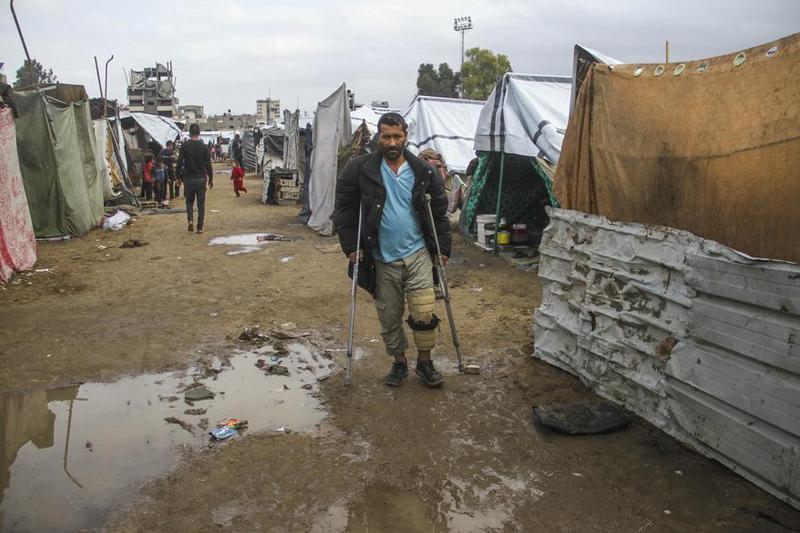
[(198, 393), (214, 314), (481, 265), (43, 270), (132, 243), (100, 247), (272, 370), (373, 340), (679, 472), (195, 412), (49, 355), (270, 237), (181, 423), (117, 221), (223, 433), (307, 386), (472, 370), (234, 423), (280, 349), (667, 511), (577, 474), (253, 334), (285, 386), (215, 210), (477, 289), (323, 378), (582, 418), (286, 259)]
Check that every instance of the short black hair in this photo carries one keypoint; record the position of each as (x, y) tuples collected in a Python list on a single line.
[(169, 143), (194, 129), (392, 119)]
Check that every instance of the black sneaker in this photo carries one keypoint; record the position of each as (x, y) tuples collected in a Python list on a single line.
[(191, 226), (395, 377), (429, 375)]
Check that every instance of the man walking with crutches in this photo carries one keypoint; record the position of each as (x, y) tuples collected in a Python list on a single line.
[(397, 241)]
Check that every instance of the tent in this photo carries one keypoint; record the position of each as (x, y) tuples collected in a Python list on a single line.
[(160, 129), (709, 146), (332, 131), (17, 240), (370, 115), (291, 137), (583, 59), (55, 144), (445, 124), (519, 138), (111, 163), (249, 157)]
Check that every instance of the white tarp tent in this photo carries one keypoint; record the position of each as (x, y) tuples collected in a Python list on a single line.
[(332, 130), (526, 114), (445, 124), (161, 129), (370, 115)]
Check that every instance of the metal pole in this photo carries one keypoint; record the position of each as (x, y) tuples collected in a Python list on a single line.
[(105, 89), (667, 50), (499, 198), (99, 83), (21, 38)]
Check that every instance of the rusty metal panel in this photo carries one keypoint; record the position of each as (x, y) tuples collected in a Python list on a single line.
[(698, 339)]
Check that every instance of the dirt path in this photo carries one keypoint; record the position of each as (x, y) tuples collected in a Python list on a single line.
[(463, 458)]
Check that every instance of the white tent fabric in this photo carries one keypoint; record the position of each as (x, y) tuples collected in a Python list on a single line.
[(161, 129), (370, 115), (526, 114), (445, 124), (332, 130)]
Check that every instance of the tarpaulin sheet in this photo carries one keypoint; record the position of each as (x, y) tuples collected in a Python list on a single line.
[(161, 129), (582, 61), (291, 137), (55, 144), (370, 115), (17, 240), (526, 114), (706, 146), (446, 125), (331, 132)]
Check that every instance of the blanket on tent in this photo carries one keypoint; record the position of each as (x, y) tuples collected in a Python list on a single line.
[(709, 146), (17, 241)]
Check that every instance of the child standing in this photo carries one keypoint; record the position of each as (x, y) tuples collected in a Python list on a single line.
[(237, 175), (147, 178), (160, 182)]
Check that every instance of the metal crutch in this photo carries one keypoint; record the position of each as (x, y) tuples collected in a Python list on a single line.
[(348, 379), (443, 285)]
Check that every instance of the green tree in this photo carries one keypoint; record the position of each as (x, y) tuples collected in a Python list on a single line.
[(441, 82), (31, 73), (481, 71)]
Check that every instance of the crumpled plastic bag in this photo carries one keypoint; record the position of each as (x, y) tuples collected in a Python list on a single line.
[(117, 221)]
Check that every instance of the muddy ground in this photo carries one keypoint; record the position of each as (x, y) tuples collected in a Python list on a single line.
[(466, 457)]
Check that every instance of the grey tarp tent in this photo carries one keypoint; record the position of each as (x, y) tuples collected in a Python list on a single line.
[(55, 143), (332, 131)]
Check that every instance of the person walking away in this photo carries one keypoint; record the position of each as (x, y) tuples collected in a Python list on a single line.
[(167, 156), (237, 176), (147, 177), (398, 242), (236, 150), (160, 182), (194, 170)]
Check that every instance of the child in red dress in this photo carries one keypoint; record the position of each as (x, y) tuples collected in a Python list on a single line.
[(237, 175)]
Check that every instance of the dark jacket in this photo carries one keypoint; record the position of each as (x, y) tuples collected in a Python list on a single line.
[(194, 161), (361, 180)]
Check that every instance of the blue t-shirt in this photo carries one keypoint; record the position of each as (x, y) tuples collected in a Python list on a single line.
[(159, 174), (399, 234)]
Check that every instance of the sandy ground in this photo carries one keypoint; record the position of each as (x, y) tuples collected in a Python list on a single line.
[(467, 457)]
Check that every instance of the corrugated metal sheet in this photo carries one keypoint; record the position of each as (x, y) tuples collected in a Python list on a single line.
[(698, 339)]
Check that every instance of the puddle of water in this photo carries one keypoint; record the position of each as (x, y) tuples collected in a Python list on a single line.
[(69, 456), (246, 242), (389, 509)]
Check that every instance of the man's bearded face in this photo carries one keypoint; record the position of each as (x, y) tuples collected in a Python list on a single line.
[(392, 141)]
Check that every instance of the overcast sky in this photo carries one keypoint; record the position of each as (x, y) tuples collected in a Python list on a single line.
[(226, 54)]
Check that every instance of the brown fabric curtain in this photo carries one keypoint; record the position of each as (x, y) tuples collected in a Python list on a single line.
[(708, 146)]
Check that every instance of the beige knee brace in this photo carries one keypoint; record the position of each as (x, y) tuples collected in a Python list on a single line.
[(422, 321)]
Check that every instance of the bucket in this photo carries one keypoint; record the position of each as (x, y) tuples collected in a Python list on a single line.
[(504, 237), (481, 221)]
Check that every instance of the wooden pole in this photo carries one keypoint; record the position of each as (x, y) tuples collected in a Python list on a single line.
[(667, 50)]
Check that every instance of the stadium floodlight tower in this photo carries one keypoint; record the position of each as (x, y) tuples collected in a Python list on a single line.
[(463, 25)]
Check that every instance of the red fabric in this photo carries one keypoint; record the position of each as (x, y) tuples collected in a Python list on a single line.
[(17, 239), (147, 170), (237, 175)]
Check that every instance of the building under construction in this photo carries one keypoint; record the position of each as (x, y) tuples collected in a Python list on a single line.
[(152, 91)]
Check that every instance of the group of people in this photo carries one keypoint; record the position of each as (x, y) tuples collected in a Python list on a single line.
[(158, 176), (216, 151)]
